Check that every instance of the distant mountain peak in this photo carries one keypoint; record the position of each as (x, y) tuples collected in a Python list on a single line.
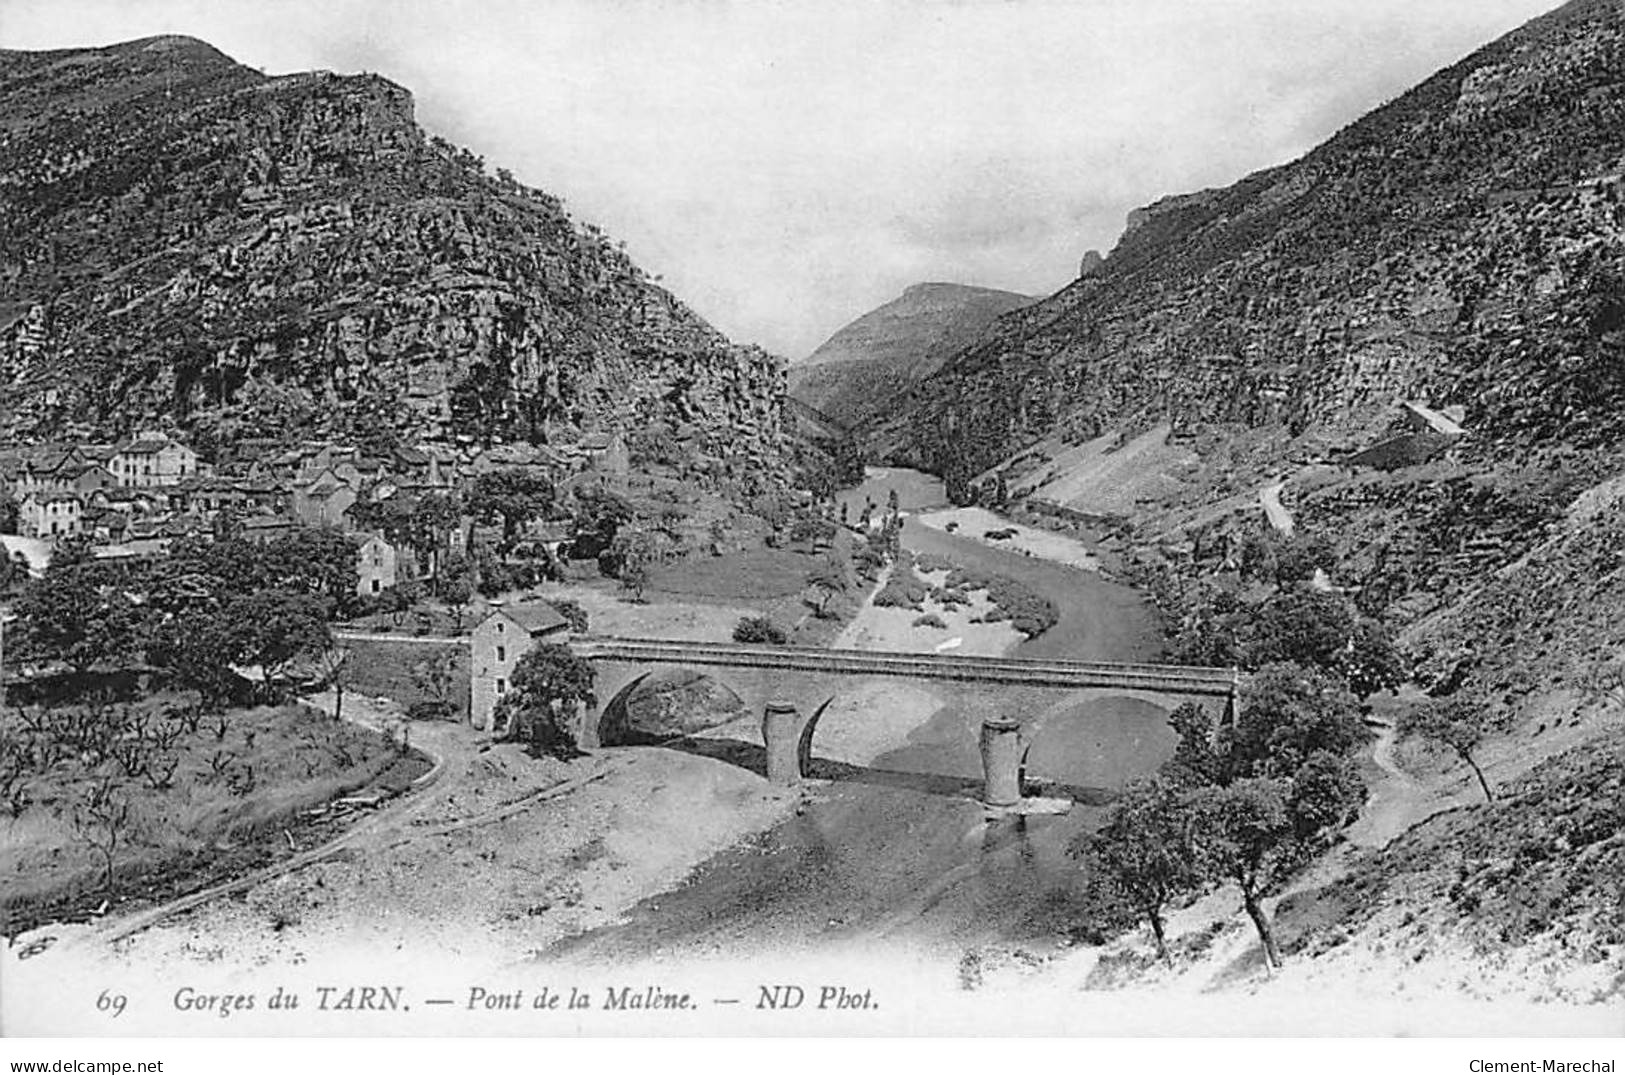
[(863, 367)]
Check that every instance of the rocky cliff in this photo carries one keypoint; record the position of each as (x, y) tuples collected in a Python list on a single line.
[(859, 372), (185, 240), (1464, 244)]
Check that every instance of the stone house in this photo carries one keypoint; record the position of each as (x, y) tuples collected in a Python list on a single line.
[(324, 500), (152, 459), (375, 566), (205, 495), (497, 643), (262, 529), (51, 516)]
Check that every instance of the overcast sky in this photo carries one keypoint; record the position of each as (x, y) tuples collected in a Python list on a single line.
[(789, 166)]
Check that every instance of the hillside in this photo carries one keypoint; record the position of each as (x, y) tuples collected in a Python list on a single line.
[(1461, 245), (856, 374), (185, 240)]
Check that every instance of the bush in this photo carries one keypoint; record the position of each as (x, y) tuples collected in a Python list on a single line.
[(903, 589), (431, 710), (1003, 534), (1029, 612), (930, 619), (961, 579), (758, 630), (930, 562)]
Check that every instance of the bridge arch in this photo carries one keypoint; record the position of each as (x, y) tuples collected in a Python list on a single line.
[(1134, 735), (613, 714)]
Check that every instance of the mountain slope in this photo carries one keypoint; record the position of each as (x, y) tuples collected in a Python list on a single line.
[(1413, 253), (184, 239), (858, 372), (1464, 244)]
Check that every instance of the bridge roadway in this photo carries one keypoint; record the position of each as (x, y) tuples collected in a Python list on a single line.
[(1170, 679)]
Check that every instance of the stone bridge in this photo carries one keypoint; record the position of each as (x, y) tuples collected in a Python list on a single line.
[(792, 687)]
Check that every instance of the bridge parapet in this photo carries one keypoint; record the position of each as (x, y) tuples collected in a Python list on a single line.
[(1172, 679)]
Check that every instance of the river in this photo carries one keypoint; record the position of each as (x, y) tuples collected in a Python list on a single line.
[(900, 855)]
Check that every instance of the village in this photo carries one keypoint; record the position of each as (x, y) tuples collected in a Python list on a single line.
[(133, 499)]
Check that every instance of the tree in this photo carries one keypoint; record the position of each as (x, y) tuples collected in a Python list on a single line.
[(78, 613), (313, 560), (335, 663), (599, 516), (512, 497), (1322, 630), (634, 553), (433, 517), (102, 820), (1244, 833), (573, 614), (1454, 723), (1287, 715), (14, 571), (828, 580), (9, 512), (194, 650), (273, 629), (1146, 851), (550, 683), (455, 587), (433, 677)]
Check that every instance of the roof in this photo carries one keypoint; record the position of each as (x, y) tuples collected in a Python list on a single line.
[(52, 498), (1440, 423), (535, 617), (266, 522), (145, 446)]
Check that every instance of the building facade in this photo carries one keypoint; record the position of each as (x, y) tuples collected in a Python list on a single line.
[(375, 566), (498, 641)]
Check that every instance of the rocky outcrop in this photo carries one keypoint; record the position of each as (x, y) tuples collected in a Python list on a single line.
[(185, 240), (860, 371), (1464, 243)]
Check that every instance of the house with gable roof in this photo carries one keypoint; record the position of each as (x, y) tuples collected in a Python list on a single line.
[(497, 643)]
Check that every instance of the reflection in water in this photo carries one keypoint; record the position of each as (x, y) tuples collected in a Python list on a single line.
[(901, 848)]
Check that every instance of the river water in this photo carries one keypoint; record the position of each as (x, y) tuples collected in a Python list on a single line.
[(899, 853)]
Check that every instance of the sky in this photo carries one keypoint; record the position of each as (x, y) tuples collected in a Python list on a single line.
[(787, 166)]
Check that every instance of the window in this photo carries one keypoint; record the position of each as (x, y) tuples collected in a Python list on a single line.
[(502, 686), (499, 627), (502, 654), (374, 585)]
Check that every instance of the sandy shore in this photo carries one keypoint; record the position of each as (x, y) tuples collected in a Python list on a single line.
[(974, 523), (468, 869)]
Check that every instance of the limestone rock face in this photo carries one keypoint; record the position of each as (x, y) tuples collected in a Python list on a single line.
[(183, 239), (1460, 244)]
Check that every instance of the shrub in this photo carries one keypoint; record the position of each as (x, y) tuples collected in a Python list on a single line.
[(1002, 534), (1028, 611), (903, 589), (961, 579), (759, 630), (930, 619), (429, 709)]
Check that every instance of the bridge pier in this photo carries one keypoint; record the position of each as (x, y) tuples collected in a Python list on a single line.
[(1002, 756), (781, 734)]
